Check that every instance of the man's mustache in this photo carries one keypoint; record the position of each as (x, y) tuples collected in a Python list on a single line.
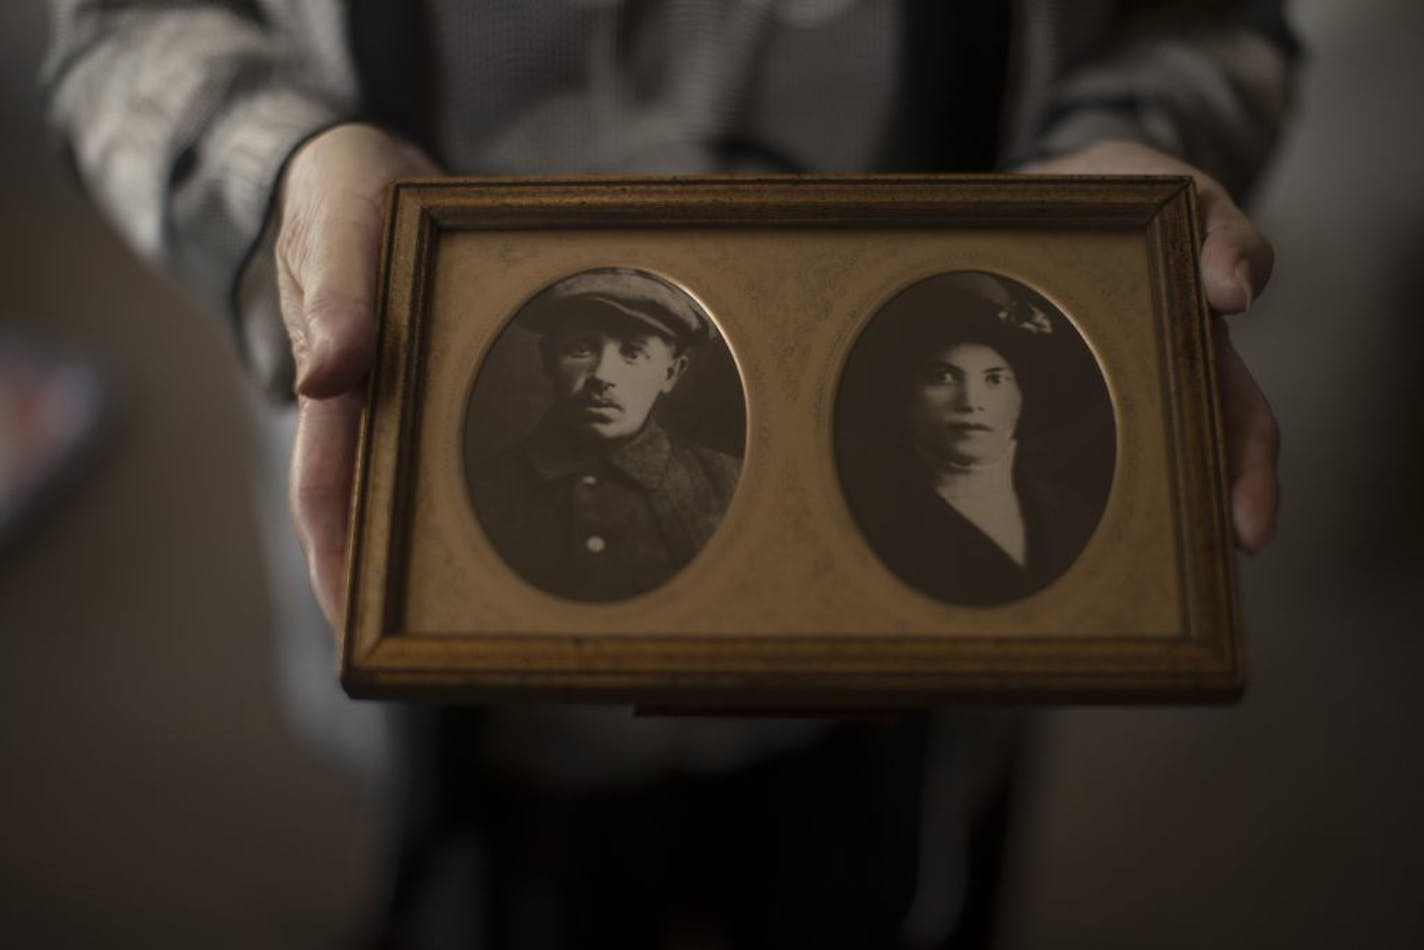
[(587, 400)]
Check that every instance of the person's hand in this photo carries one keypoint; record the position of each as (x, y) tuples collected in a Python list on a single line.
[(330, 202), (1236, 261)]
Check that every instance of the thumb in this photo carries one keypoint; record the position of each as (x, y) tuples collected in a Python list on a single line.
[(1236, 258), (329, 264), (332, 200)]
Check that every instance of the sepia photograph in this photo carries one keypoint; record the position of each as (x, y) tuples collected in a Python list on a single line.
[(974, 438), (787, 440), (1018, 462), (607, 489)]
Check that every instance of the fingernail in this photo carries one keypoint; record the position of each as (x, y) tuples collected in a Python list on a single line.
[(301, 360), (309, 355), (301, 367), (1246, 537), (1243, 280)]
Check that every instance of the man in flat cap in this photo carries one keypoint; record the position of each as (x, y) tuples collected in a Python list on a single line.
[(601, 502)]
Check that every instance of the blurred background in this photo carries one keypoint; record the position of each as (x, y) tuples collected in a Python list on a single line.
[(152, 796)]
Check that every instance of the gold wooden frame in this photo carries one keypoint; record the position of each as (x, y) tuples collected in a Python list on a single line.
[(784, 606)]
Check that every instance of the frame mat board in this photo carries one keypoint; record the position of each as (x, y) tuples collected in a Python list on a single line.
[(787, 606)]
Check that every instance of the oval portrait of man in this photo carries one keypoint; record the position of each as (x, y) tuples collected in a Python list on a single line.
[(604, 435), (974, 437)]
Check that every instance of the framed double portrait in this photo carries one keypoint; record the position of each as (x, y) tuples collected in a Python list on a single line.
[(793, 442)]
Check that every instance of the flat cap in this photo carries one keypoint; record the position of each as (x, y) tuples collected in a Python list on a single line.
[(636, 294)]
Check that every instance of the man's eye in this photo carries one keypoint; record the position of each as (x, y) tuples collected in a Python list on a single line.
[(633, 352), (578, 348)]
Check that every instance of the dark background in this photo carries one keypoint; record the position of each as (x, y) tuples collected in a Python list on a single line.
[(153, 798)]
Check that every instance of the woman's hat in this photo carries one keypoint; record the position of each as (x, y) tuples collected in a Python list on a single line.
[(965, 307), (939, 312)]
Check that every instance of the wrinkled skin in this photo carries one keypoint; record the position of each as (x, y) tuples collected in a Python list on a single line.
[(328, 246)]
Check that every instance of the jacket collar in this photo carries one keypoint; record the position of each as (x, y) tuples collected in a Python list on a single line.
[(643, 459)]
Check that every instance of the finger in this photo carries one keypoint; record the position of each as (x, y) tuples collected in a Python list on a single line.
[(329, 256), (1253, 450), (323, 468), (1236, 258), (332, 199)]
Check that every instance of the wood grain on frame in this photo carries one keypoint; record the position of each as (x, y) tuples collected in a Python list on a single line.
[(787, 605)]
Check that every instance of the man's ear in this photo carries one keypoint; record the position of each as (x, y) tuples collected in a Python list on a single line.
[(546, 354), (676, 368)]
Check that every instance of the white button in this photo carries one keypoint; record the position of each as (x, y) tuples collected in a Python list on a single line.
[(589, 481), (594, 543)]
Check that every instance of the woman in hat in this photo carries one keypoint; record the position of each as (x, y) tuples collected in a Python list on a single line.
[(947, 417)]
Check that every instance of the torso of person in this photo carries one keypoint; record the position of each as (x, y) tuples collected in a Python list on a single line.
[(602, 526)]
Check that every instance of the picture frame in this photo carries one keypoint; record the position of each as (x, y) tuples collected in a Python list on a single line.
[(827, 528)]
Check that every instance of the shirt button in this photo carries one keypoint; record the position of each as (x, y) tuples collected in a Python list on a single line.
[(595, 544), (589, 481)]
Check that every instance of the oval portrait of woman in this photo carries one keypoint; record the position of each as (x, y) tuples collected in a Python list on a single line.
[(974, 438), (604, 435)]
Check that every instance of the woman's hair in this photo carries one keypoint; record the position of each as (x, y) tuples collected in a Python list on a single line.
[(1066, 428), (933, 315)]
